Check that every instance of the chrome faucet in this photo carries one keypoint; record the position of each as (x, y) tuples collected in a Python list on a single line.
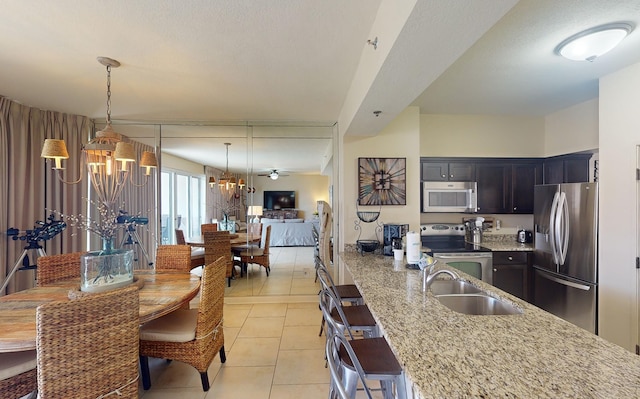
[(428, 277)]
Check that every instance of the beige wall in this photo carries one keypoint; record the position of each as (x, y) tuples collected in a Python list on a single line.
[(481, 136), (573, 129), (398, 140), (619, 137), (309, 190), (173, 162)]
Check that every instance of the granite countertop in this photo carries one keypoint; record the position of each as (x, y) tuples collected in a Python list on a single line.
[(506, 246), (451, 355), (504, 242)]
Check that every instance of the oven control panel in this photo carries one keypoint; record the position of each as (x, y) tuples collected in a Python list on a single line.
[(442, 229)]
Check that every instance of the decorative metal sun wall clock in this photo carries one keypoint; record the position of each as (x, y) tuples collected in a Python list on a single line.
[(382, 181)]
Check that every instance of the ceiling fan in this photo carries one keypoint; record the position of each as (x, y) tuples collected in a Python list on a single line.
[(274, 174)]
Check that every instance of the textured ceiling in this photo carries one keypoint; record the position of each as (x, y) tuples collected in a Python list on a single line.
[(513, 70), (301, 62)]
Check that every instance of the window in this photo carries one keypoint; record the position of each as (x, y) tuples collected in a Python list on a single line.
[(182, 199)]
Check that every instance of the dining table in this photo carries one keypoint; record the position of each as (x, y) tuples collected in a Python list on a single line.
[(237, 240), (160, 294)]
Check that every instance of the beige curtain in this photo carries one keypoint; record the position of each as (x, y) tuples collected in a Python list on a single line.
[(30, 190), (140, 200)]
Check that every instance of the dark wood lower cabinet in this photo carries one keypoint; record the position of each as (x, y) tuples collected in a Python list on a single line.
[(511, 273)]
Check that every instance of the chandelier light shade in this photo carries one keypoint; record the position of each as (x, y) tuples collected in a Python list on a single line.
[(148, 161), (594, 42), (55, 149), (227, 182), (105, 157)]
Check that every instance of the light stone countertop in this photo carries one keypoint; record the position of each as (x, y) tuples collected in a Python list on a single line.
[(506, 246), (451, 355)]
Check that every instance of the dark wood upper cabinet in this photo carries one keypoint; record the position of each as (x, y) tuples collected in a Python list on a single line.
[(572, 168), (506, 185), (448, 171), (494, 187), (524, 177)]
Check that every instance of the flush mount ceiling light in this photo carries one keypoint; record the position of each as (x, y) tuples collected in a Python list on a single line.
[(594, 42)]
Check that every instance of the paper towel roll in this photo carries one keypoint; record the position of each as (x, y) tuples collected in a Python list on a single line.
[(414, 245)]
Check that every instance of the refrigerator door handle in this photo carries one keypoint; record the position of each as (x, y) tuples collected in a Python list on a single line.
[(553, 229), (563, 215), (583, 287)]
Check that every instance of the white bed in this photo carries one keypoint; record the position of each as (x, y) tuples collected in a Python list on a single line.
[(291, 232)]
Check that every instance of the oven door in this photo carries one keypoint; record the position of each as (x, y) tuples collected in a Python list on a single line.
[(467, 263)]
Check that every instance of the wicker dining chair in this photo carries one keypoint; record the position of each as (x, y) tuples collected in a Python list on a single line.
[(88, 347), (54, 268), (173, 258), (18, 374), (258, 256), (180, 240), (255, 229), (218, 244), (191, 336), (208, 227), (197, 253)]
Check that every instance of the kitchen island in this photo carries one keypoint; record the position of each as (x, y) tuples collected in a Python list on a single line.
[(451, 355)]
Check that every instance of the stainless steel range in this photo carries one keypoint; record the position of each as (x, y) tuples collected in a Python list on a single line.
[(446, 242)]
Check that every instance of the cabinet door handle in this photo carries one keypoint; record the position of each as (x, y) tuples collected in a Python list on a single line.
[(510, 257), (515, 208), (451, 176), (495, 270), (443, 176)]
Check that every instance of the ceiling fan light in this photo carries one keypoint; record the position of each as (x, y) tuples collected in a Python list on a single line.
[(273, 175), (592, 43)]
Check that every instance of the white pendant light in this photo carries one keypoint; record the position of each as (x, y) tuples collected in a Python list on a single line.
[(594, 42)]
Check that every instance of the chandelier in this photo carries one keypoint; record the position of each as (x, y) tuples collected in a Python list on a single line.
[(106, 157), (227, 182)]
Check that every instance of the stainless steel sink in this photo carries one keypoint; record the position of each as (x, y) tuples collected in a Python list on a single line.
[(477, 304), (446, 287)]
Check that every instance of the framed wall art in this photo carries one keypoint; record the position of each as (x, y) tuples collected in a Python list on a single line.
[(382, 181)]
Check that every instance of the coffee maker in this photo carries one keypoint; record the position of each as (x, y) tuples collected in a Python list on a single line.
[(391, 231)]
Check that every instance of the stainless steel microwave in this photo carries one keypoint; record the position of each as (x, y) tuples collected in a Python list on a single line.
[(450, 196)]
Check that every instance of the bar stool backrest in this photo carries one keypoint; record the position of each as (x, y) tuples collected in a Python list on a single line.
[(333, 361), (328, 302)]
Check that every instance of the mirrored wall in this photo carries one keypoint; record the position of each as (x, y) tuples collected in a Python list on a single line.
[(190, 154)]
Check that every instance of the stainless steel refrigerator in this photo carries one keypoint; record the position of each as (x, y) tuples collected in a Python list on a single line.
[(565, 257)]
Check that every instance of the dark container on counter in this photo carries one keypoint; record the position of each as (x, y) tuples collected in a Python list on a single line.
[(391, 231)]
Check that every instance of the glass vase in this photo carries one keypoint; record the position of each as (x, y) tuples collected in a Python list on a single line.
[(106, 269), (227, 225)]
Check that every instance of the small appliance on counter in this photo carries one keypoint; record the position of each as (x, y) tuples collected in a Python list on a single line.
[(473, 229), (391, 231), (524, 236)]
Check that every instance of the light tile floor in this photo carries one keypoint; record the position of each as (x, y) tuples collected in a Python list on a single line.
[(271, 327)]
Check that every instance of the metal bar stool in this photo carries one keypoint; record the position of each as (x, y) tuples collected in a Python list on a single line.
[(345, 292), (338, 388), (358, 317), (374, 354)]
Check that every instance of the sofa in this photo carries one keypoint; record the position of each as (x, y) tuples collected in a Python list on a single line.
[(291, 232)]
